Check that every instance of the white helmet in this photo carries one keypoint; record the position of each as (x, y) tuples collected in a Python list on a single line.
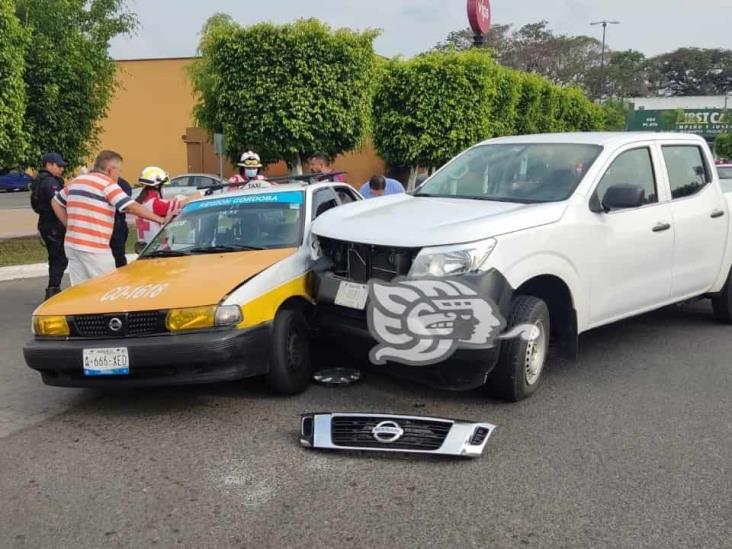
[(152, 176), (250, 159)]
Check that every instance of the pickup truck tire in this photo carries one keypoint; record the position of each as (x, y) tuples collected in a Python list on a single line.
[(722, 302), (521, 363), (290, 367)]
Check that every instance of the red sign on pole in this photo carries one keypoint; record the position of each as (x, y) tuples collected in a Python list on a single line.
[(479, 15)]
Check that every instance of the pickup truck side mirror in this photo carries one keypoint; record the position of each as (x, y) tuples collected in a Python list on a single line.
[(619, 197)]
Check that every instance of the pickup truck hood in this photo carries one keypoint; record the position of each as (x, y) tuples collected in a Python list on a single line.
[(190, 281), (408, 221)]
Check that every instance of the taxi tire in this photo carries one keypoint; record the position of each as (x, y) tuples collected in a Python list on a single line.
[(290, 368)]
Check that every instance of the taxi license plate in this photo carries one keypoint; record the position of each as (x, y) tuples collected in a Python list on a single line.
[(106, 362), (352, 295)]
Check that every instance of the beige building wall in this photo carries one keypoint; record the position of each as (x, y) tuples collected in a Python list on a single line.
[(149, 114), (150, 122)]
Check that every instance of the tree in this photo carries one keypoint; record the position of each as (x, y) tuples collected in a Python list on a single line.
[(497, 41), (69, 75), (286, 91), (626, 74), (430, 108), (692, 71), (723, 145), (534, 48), (13, 140)]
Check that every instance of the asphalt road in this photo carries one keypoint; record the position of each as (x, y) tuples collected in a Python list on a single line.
[(17, 200), (628, 447)]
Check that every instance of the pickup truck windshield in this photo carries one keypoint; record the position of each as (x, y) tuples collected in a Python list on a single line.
[(232, 224), (525, 173)]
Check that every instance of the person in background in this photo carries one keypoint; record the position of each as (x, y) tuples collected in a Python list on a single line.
[(379, 185), (43, 188), (86, 207), (249, 176), (121, 231), (321, 163), (151, 199)]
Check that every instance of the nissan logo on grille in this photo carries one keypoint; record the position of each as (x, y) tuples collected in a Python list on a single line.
[(387, 431), (115, 325)]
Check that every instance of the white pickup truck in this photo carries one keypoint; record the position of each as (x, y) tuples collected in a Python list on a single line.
[(566, 232)]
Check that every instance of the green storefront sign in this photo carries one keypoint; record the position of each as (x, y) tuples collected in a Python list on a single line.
[(708, 123)]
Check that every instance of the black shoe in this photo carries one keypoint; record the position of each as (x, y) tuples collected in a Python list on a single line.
[(50, 292)]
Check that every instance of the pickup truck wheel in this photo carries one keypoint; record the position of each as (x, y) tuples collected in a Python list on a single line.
[(290, 367), (722, 303), (521, 363)]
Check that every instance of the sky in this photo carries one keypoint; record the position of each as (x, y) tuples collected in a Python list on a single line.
[(169, 28)]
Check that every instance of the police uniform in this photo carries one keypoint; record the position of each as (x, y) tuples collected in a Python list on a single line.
[(52, 231)]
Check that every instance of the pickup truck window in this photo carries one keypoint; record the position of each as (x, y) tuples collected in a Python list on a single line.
[(524, 173), (633, 167), (687, 171), (323, 200)]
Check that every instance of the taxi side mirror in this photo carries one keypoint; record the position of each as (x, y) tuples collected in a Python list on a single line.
[(139, 246)]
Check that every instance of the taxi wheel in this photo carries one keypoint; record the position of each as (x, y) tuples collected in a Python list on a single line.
[(290, 367)]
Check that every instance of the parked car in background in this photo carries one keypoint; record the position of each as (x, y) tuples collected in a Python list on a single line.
[(186, 184), (14, 180), (725, 176)]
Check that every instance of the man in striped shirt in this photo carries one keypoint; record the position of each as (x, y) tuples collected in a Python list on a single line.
[(87, 207)]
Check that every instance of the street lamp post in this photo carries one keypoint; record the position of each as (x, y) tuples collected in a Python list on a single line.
[(604, 24)]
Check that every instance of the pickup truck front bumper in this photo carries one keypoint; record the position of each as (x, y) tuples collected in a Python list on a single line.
[(348, 329)]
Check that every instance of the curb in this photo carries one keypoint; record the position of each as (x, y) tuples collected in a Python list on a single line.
[(34, 270)]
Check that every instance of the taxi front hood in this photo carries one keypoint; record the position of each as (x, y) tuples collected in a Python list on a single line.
[(164, 283), (406, 221)]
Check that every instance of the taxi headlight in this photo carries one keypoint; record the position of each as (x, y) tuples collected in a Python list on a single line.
[(193, 318), (198, 318), (460, 259), (228, 315), (50, 326)]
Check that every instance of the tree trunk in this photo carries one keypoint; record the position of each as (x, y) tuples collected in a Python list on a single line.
[(297, 168), (411, 182)]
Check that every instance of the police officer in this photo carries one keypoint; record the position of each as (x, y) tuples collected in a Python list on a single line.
[(43, 188)]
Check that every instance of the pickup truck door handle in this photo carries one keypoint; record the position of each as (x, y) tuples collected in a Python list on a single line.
[(717, 213), (660, 227)]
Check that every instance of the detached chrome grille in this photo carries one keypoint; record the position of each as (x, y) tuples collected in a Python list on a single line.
[(394, 433), (132, 324), (419, 434), (362, 262)]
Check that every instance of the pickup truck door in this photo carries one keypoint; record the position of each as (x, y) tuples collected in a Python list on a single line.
[(630, 250), (699, 216)]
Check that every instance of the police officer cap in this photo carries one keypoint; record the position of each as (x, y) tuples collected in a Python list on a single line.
[(54, 158)]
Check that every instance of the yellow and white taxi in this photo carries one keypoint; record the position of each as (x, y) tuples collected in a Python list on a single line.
[(221, 293)]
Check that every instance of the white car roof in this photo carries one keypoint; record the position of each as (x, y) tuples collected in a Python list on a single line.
[(594, 138)]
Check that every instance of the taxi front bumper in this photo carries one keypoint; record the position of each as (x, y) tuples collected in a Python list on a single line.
[(162, 360)]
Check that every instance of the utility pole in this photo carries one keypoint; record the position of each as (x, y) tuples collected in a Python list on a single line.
[(604, 24)]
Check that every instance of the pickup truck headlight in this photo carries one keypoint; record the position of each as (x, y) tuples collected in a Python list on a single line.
[(50, 326), (459, 259), (199, 318)]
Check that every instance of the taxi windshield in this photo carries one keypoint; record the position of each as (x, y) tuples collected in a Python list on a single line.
[(261, 221), (519, 172)]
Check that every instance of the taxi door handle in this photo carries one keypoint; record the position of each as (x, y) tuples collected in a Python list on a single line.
[(716, 214), (660, 227)]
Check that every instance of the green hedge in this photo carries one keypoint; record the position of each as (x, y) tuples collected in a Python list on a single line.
[(430, 108)]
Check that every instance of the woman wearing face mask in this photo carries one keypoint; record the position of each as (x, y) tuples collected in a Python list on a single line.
[(250, 166)]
